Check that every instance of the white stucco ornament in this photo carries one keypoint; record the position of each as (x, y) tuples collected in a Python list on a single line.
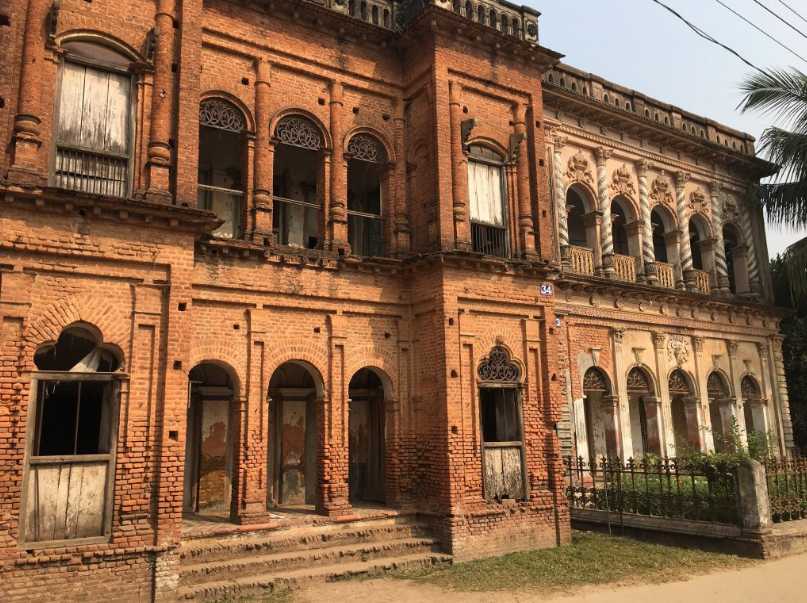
[(678, 349)]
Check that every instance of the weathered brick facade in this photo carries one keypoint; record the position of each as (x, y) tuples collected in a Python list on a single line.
[(241, 356)]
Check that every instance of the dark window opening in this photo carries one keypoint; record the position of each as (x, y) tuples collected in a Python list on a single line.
[(619, 229), (297, 210), (73, 418), (695, 247), (487, 197), (500, 421), (730, 246), (76, 349), (576, 219), (365, 175), (659, 238)]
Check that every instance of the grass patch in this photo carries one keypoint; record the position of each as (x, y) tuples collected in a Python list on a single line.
[(591, 559)]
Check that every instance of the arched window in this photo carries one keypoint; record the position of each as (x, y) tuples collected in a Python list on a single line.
[(366, 171), (625, 233), (619, 228), (701, 246), (684, 412), (93, 129), (736, 263), (695, 246), (487, 195), (601, 435), (719, 411), (665, 245), (480, 14), (576, 219), (297, 185), (469, 10), (659, 237), (374, 13), (71, 450), (753, 406), (222, 157), (644, 412)]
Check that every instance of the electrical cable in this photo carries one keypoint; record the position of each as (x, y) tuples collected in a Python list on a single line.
[(793, 10), (760, 30), (785, 21)]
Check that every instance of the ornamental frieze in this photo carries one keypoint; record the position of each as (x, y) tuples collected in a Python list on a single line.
[(622, 181), (579, 170), (677, 349), (661, 192), (698, 202)]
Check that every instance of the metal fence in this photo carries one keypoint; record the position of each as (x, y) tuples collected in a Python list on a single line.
[(787, 488), (667, 488)]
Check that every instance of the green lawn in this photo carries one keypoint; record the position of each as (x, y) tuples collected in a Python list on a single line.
[(591, 559)]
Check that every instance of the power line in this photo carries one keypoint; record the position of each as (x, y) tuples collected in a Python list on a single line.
[(792, 10), (790, 25), (706, 36), (760, 30)]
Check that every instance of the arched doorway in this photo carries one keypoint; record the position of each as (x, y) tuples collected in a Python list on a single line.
[(208, 444), (753, 407), (294, 427), (598, 408), (644, 415), (367, 429), (719, 398), (683, 407)]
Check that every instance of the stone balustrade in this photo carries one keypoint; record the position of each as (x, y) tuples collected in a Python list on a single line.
[(666, 275), (582, 260), (702, 281), (625, 268)]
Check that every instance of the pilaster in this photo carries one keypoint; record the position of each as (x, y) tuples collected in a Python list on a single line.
[(459, 171)]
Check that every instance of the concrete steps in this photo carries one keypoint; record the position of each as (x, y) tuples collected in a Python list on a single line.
[(247, 565)]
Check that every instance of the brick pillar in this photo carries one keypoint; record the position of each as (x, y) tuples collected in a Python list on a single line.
[(392, 453), (402, 231), (755, 510), (162, 102), (336, 238), (27, 166), (606, 238), (262, 229), (459, 171), (526, 227)]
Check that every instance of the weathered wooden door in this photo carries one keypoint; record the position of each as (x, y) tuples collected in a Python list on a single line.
[(366, 450), (502, 443), (214, 475), (296, 456)]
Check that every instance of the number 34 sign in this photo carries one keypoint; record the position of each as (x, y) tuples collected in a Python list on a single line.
[(546, 289)]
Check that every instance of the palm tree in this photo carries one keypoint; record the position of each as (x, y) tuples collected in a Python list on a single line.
[(783, 94)]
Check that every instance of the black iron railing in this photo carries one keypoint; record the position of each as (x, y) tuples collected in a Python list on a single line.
[(488, 239), (667, 488), (787, 488)]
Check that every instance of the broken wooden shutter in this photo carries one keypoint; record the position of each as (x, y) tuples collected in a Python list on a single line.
[(92, 153)]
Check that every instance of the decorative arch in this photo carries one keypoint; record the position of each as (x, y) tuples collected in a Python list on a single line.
[(587, 195), (99, 38), (628, 205), (79, 347), (596, 380), (499, 366), (640, 380), (718, 385), (314, 361), (380, 138), (378, 361), (750, 389), (221, 357), (680, 382), (237, 103), (326, 143), (484, 136), (703, 224)]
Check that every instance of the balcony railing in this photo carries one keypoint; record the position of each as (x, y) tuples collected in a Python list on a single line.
[(297, 223), (365, 233), (666, 275), (489, 240), (625, 267), (228, 205), (702, 281), (582, 259), (91, 172)]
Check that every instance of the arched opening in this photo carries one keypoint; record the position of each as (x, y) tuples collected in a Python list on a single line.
[(619, 225), (753, 406), (665, 245), (295, 408), (93, 131), (683, 407), (71, 450), (598, 409), (209, 442), (366, 179), (736, 263), (695, 240), (717, 390), (644, 413), (367, 430), (298, 177), (222, 156), (582, 229), (625, 234), (487, 194)]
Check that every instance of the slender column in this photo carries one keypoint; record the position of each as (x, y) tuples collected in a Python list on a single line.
[(27, 164), (337, 209), (665, 426), (786, 443), (737, 413), (264, 158), (459, 171), (705, 435), (162, 103), (561, 214), (593, 220), (402, 230), (648, 253), (720, 249), (621, 420), (526, 228), (607, 234), (684, 251), (748, 235)]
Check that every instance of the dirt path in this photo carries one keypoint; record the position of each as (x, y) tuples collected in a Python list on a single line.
[(780, 581)]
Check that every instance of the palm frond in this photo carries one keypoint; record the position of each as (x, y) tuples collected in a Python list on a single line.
[(785, 202), (776, 91), (795, 260), (788, 150)]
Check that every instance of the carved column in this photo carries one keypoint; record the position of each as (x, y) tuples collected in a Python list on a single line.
[(402, 230), (593, 220), (648, 253), (684, 251), (705, 435), (526, 228), (736, 408), (606, 231), (459, 171), (337, 206), (748, 236), (620, 421), (262, 228), (27, 163), (664, 410), (720, 249), (162, 103), (561, 214)]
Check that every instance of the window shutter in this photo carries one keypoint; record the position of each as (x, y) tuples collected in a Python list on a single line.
[(485, 193)]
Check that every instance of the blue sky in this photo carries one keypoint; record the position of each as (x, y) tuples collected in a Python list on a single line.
[(638, 44)]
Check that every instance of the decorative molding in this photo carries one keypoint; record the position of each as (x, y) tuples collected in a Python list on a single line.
[(678, 349), (659, 340), (622, 181), (498, 367), (595, 356), (638, 382), (679, 384), (595, 381), (749, 389), (365, 147), (618, 335), (299, 132), (222, 115), (698, 202), (697, 344), (661, 191), (579, 170)]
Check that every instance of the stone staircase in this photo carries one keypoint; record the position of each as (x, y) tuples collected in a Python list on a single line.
[(232, 567)]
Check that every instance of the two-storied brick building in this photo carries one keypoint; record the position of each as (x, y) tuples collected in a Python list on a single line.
[(283, 264)]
